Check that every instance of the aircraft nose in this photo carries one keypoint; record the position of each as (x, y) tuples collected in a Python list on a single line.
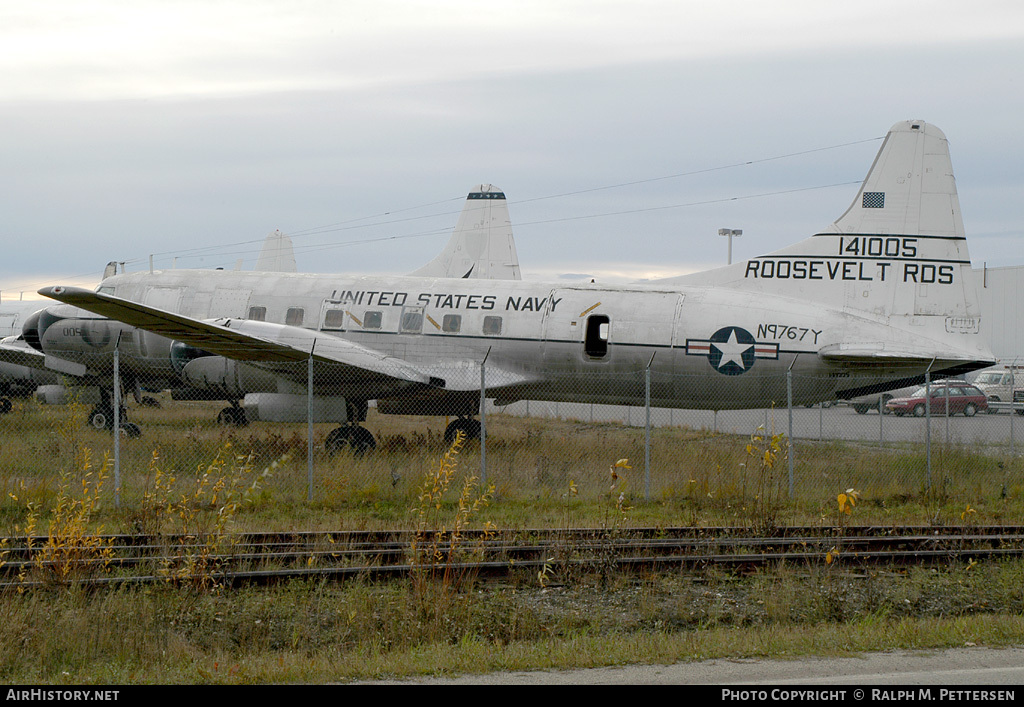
[(36, 325)]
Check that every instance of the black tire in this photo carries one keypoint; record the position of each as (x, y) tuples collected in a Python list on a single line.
[(470, 427), (919, 410), (233, 416), (861, 409), (354, 438), (970, 410)]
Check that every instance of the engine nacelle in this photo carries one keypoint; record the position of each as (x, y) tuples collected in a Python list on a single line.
[(63, 328), (226, 376), (62, 395), (285, 407)]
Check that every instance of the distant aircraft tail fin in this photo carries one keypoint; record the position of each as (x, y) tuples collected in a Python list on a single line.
[(897, 255), (481, 247), (277, 254)]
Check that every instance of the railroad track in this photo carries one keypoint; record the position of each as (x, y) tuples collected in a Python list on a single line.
[(262, 558)]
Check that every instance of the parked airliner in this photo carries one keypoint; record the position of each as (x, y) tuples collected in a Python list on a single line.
[(883, 296)]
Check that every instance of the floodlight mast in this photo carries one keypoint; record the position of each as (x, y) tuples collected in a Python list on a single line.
[(730, 232)]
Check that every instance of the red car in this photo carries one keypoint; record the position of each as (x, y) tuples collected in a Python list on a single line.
[(963, 398)]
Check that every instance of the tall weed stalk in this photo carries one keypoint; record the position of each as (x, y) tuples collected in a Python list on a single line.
[(439, 548)]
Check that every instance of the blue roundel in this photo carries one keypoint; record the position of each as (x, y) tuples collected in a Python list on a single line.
[(732, 351)]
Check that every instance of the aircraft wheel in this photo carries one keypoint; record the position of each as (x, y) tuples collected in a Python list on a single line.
[(358, 439), (234, 416), (5, 405), (131, 430), (469, 426), (99, 420)]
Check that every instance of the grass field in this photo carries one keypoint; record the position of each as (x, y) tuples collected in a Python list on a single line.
[(186, 474), (545, 472)]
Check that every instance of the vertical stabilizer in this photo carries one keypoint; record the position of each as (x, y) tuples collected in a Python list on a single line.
[(481, 247), (277, 254), (898, 255), (910, 189)]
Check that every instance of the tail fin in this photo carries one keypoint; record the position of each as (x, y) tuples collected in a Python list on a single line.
[(481, 247), (898, 255), (910, 189), (277, 254)]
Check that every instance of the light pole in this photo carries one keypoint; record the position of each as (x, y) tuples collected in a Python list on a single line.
[(730, 232)]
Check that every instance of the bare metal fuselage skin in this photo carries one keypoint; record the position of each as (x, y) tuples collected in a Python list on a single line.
[(707, 347)]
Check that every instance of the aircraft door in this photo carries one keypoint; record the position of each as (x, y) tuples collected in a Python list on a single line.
[(332, 315), (588, 324)]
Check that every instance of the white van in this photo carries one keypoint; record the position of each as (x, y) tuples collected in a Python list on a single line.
[(998, 383)]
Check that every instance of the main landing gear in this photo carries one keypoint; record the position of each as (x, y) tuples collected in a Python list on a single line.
[(360, 441), (467, 425), (101, 417), (353, 437), (233, 415)]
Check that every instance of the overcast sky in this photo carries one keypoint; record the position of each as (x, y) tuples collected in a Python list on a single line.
[(624, 134)]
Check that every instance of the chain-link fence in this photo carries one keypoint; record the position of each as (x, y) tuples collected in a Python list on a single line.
[(332, 435)]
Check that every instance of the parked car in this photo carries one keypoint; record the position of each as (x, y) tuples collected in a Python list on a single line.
[(997, 385), (863, 403), (963, 398)]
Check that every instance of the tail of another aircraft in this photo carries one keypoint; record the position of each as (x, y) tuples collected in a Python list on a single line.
[(899, 252), (481, 247), (277, 254)]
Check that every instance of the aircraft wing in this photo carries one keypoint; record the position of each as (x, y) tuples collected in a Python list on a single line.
[(259, 343), (21, 354)]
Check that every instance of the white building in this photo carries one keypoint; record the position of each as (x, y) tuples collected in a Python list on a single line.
[(1001, 291)]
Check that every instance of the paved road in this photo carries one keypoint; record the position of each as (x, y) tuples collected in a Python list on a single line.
[(964, 666), (838, 422)]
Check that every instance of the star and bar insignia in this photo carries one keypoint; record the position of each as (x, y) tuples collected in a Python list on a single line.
[(731, 350)]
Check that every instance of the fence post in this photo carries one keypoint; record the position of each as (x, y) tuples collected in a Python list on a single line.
[(789, 407), (647, 429), (483, 420), (309, 424), (928, 422), (881, 414), (1013, 410), (117, 423)]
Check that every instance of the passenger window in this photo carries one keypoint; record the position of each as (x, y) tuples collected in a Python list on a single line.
[(451, 323), (492, 325), (294, 316), (258, 314), (372, 320), (334, 319), (412, 321)]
